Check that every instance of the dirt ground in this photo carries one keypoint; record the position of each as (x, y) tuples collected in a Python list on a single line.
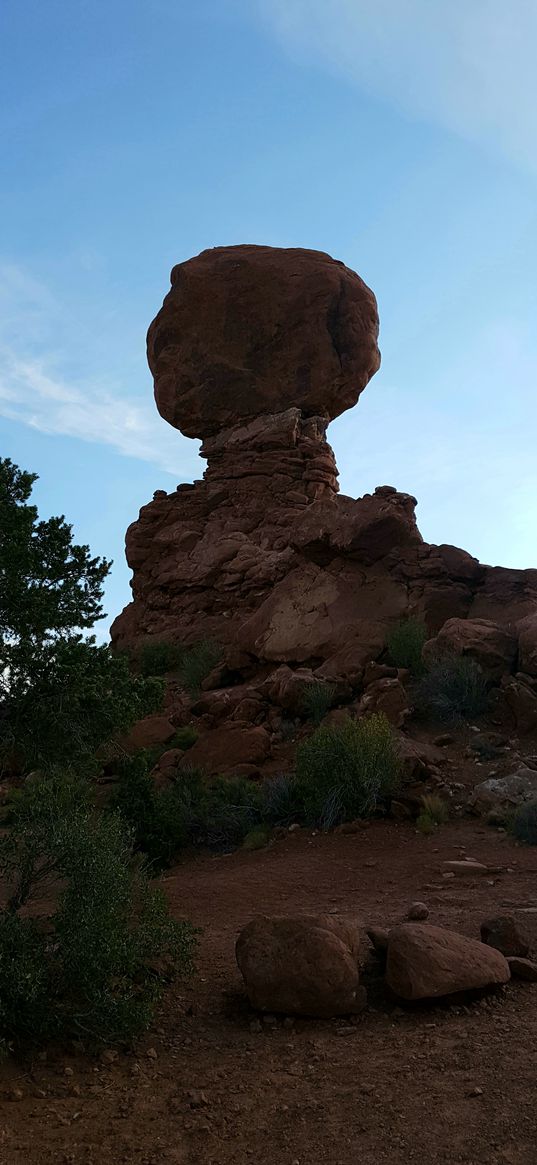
[(212, 1084)]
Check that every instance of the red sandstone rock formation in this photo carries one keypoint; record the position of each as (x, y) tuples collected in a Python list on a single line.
[(255, 349)]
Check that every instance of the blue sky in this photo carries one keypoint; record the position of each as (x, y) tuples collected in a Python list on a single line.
[(400, 136)]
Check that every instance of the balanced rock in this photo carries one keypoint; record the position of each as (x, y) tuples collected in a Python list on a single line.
[(301, 966), (244, 329), (427, 962), (255, 350)]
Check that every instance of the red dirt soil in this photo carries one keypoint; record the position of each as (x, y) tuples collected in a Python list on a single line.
[(211, 1084)]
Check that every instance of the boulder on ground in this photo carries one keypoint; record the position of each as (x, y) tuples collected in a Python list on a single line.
[(503, 934), (301, 966), (148, 733), (493, 647), (379, 939), (287, 688), (226, 747), (523, 969), (504, 792), (418, 760), (521, 699), (427, 962), (387, 696)]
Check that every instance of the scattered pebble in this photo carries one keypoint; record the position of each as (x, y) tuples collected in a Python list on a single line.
[(418, 912)]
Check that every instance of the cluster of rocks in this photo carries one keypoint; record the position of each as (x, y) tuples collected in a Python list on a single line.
[(310, 965), (254, 351)]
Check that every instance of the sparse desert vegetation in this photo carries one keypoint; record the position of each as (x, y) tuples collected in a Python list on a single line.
[(405, 645), (451, 690)]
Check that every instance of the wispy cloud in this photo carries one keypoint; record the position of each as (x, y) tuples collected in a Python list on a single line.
[(35, 392), (468, 65)]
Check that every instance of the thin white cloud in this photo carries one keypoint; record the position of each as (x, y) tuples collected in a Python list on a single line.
[(468, 65), (33, 392)]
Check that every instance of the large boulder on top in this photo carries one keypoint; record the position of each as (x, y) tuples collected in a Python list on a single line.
[(301, 966), (493, 647), (250, 330), (427, 962)]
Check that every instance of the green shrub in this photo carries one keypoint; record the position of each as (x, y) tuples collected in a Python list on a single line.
[(345, 771), (197, 663), (257, 838), (184, 738), (317, 699), (191, 811), (88, 970), (157, 658), (281, 800), (524, 823), (436, 808), (288, 730), (405, 645), (434, 812), (452, 689), (425, 824), (25, 987), (230, 808), (157, 819), (501, 817)]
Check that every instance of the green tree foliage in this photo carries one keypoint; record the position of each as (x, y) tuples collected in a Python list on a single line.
[(89, 969), (61, 695)]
